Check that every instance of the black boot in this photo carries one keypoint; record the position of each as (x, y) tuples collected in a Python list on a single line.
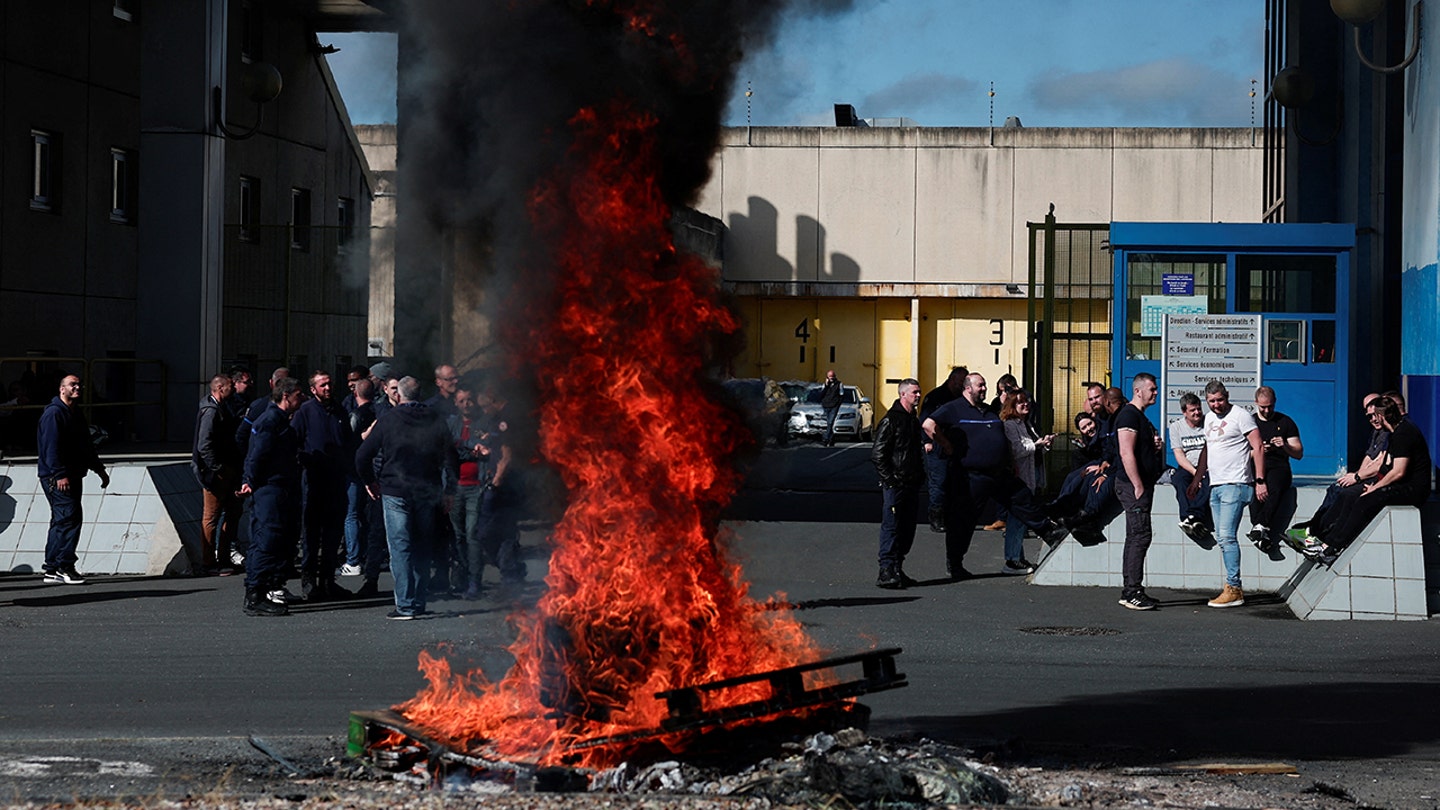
[(256, 604)]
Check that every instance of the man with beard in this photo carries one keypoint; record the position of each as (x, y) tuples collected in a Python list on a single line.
[(66, 452), (981, 468), (1236, 463)]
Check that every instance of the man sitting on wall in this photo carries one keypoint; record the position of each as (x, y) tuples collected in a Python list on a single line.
[(1404, 479)]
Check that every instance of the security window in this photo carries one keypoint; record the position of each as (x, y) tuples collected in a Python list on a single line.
[(249, 209), (45, 185), (1284, 341), (1284, 283), (300, 219), (122, 185), (1147, 272)]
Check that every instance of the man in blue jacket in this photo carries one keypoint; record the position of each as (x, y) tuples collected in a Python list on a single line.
[(66, 452), (272, 477), (327, 458)]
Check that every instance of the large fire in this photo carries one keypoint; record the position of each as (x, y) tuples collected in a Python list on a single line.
[(640, 596)]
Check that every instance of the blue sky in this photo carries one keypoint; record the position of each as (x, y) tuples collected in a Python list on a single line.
[(1126, 63)]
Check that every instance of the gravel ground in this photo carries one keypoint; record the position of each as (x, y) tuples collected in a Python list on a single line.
[(232, 774)]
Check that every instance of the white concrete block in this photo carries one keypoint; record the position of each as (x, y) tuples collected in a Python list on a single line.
[(99, 563), (137, 538), (1409, 561), (1329, 615), (148, 508), (32, 536), (116, 509), (28, 561), (24, 479), (1372, 595), (1371, 558), (126, 479), (131, 563)]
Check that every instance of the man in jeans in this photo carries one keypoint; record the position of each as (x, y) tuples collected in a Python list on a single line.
[(896, 455), (1232, 446), (417, 476), (66, 452), (1139, 468)]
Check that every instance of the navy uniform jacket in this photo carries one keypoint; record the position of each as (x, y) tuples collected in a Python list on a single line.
[(977, 434), (63, 440), (274, 454)]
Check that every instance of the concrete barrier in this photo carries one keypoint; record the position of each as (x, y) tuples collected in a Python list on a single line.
[(140, 524), (1174, 560), (1382, 575), (1379, 576)]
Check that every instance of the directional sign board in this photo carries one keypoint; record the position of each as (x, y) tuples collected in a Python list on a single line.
[(1201, 348)]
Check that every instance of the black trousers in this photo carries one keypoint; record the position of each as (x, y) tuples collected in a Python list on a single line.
[(967, 492)]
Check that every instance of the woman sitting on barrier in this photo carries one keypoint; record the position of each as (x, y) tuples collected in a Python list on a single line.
[(1403, 480)]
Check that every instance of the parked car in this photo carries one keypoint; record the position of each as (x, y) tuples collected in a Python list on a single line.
[(764, 405), (856, 418), (796, 391)]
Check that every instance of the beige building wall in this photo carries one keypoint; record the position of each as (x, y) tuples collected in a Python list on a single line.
[(907, 249), (378, 142)]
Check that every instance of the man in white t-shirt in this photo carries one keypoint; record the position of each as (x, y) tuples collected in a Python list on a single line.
[(1235, 461)]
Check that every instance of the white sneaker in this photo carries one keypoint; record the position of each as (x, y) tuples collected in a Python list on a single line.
[(64, 577), (348, 570), (237, 559)]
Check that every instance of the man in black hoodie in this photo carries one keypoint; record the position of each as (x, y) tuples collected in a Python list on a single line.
[(897, 454), (66, 452), (418, 474)]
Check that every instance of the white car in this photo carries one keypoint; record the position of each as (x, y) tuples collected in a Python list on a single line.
[(856, 419)]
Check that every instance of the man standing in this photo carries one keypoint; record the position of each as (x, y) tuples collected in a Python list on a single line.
[(500, 503), (897, 458), (832, 393), (1139, 468), (447, 382), (1232, 446), (418, 471), (66, 453), (216, 463), (246, 428), (357, 503), (981, 468), (935, 461), (1280, 439), (272, 476), (465, 431), (327, 457), (1187, 439)]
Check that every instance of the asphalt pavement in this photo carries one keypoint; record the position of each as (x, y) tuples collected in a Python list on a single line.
[(166, 679)]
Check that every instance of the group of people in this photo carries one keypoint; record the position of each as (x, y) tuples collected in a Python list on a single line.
[(968, 454), (1227, 461), (343, 487)]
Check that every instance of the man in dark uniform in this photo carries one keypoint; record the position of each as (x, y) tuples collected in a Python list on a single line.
[(981, 468), (272, 477), (897, 457), (66, 452), (935, 461), (832, 393), (327, 457)]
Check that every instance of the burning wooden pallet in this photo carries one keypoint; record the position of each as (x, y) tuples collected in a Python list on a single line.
[(387, 739)]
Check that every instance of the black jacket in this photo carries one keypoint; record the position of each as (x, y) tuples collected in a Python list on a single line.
[(215, 459), (831, 394), (899, 448), (418, 456)]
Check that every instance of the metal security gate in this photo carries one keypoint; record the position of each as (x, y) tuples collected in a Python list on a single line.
[(1070, 313)]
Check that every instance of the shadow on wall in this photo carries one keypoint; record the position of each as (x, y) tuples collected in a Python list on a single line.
[(180, 494), (752, 249)]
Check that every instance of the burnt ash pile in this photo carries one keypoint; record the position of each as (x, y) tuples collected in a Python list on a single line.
[(847, 768)]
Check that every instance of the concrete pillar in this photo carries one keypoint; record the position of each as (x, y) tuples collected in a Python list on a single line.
[(182, 205)]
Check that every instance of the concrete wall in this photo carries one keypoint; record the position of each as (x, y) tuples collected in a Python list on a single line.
[(906, 251), (379, 143)]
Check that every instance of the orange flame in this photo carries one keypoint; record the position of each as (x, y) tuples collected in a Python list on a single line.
[(641, 598)]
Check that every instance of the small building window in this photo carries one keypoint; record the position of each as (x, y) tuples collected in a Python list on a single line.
[(123, 175), (1268, 283), (345, 218), (45, 185), (300, 219), (124, 10), (249, 209)]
